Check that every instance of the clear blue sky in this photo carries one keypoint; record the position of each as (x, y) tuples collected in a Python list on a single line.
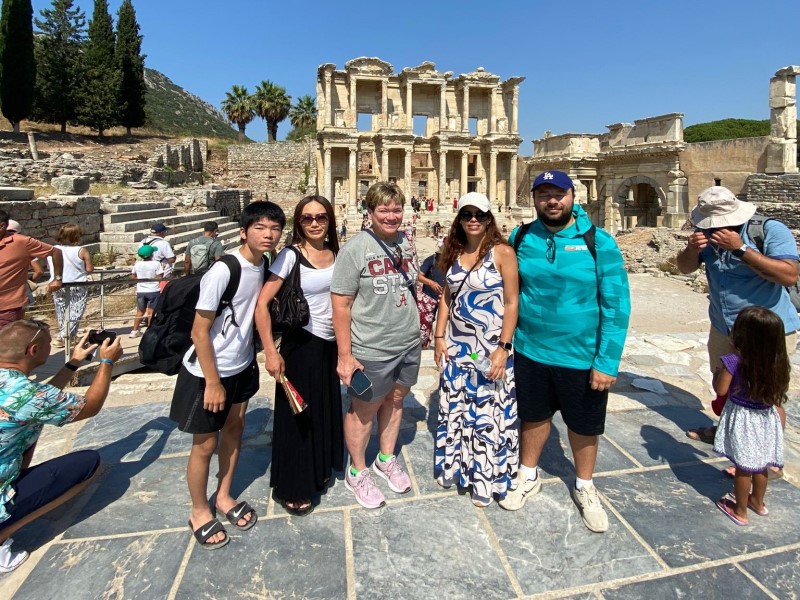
[(587, 64)]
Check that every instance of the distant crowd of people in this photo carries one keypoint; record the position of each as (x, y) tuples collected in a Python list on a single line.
[(521, 328)]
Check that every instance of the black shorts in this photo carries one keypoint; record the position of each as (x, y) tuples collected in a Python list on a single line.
[(187, 399), (544, 389), (39, 485)]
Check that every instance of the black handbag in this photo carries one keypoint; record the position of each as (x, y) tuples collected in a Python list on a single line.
[(289, 308)]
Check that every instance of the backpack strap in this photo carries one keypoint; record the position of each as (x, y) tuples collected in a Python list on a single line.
[(226, 300), (590, 237), (755, 230), (520, 234)]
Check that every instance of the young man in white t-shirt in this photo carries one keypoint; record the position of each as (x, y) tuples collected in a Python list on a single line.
[(219, 376), (147, 292)]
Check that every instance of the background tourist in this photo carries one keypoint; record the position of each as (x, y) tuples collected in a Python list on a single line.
[(432, 279), (77, 266), (377, 331), (308, 446), (147, 292), (163, 249), (204, 250), (477, 434)]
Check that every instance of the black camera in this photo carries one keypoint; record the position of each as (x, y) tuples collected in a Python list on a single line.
[(98, 336)]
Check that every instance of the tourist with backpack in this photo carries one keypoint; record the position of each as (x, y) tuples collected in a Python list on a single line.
[(573, 319), (745, 266), (163, 252), (203, 251), (219, 374)]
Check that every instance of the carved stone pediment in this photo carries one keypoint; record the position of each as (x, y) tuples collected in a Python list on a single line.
[(369, 66), (480, 75)]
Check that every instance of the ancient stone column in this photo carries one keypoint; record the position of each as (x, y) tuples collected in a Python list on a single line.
[(409, 107), (464, 172), (385, 164), (512, 180), (327, 178), (465, 116), (384, 103), (492, 176), (328, 100), (407, 172), (442, 177), (492, 119), (353, 104), (782, 149), (443, 107), (515, 111), (352, 173)]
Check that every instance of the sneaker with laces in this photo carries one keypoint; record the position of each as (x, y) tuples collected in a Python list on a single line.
[(135, 333), (366, 492), (10, 560), (588, 502), (399, 482), (516, 497)]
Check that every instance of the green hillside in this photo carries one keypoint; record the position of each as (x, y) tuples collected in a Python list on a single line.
[(172, 110), (726, 129)]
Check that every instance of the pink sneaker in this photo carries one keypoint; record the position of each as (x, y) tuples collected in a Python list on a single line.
[(399, 482), (364, 489)]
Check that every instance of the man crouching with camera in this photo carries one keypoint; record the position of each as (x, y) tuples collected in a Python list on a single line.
[(26, 492)]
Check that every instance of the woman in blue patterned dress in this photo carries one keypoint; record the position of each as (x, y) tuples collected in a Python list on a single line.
[(477, 436)]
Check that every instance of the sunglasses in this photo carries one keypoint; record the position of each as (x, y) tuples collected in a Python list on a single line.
[(550, 254), (40, 326), (466, 216), (321, 218)]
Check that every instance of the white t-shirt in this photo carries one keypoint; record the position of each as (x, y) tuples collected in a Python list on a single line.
[(147, 269), (233, 346), (163, 252), (316, 284)]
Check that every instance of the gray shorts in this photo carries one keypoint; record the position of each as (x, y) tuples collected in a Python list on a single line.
[(384, 374)]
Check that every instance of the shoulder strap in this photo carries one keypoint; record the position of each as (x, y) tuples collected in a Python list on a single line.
[(755, 230), (520, 233), (388, 253), (226, 300), (590, 237)]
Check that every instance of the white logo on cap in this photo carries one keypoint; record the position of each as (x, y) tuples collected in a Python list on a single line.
[(548, 175)]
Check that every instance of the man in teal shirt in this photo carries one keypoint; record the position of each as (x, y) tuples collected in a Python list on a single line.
[(573, 318)]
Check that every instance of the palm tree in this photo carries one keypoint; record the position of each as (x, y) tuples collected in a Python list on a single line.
[(238, 107), (303, 115), (272, 104)]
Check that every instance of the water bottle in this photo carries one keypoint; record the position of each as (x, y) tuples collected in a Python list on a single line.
[(482, 363)]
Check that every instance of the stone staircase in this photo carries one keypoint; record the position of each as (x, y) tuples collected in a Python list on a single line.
[(127, 224)]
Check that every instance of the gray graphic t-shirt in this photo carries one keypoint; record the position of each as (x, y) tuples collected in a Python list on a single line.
[(385, 321)]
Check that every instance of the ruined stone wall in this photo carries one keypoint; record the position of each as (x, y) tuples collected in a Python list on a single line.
[(42, 218), (731, 161), (188, 155), (776, 196), (277, 169)]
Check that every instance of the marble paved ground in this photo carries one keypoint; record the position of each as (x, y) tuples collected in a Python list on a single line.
[(127, 537)]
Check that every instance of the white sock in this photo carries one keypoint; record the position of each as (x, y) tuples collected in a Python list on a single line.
[(582, 483), (530, 473)]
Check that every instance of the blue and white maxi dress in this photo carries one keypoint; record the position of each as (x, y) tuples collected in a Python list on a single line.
[(477, 436)]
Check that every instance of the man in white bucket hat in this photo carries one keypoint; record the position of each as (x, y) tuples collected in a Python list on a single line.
[(739, 273)]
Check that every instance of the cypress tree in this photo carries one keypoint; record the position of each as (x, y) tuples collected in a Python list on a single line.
[(99, 96), (58, 53), (17, 64), (130, 62)]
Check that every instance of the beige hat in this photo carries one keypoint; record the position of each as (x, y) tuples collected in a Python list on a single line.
[(719, 207), (14, 226), (475, 199)]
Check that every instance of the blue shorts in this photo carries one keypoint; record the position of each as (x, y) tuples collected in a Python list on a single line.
[(145, 300), (41, 484)]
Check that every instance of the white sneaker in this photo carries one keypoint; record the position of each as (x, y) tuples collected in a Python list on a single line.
[(516, 497), (135, 333), (10, 560), (588, 502)]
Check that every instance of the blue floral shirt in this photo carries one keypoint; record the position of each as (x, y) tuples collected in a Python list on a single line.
[(25, 407)]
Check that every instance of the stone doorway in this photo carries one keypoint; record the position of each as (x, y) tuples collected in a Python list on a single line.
[(641, 202)]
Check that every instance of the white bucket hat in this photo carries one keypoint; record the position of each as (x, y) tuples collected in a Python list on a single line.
[(719, 207)]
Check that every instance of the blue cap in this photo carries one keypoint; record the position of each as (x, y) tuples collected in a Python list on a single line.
[(556, 178)]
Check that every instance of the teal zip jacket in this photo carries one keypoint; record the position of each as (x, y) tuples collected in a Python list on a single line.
[(571, 314)]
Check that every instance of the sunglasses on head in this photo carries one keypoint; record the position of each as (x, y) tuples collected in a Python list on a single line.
[(465, 216), (321, 218), (40, 326)]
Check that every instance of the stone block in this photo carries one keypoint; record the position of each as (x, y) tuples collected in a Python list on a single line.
[(70, 185), (15, 193)]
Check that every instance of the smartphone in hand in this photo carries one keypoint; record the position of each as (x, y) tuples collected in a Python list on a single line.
[(359, 382), (98, 336)]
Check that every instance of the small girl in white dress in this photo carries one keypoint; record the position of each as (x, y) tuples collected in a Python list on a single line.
[(756, 379)]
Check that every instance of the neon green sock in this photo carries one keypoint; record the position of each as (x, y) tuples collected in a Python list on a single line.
[(384, 457), (353, 471)]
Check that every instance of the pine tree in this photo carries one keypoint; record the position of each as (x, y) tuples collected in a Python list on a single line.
[(99, 96), (130, 61), (58, 53), (17, 64)]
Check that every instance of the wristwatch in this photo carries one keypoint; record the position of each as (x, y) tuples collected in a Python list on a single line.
[(739, 252), (505, 346), (58, 278)]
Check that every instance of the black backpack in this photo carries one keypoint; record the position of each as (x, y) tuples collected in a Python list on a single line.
[(755, 231), (168, 336)]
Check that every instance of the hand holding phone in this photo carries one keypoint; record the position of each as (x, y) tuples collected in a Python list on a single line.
[(359, 382), (98, 336)]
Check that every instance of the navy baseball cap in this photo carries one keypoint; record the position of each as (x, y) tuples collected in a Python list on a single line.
[(556, 178), (159, 228)]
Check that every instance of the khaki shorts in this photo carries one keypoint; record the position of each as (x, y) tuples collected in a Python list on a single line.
[(719, 345)]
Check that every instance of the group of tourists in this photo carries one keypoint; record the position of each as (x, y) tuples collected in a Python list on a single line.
[(521, 329)]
